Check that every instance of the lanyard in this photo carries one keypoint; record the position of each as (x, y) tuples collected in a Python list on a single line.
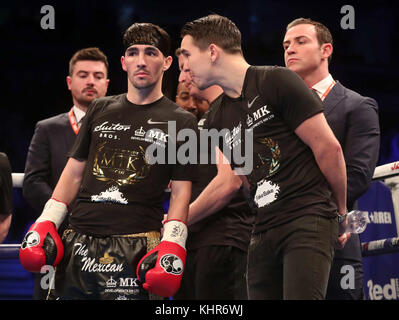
[(72, 120), (327, 91)]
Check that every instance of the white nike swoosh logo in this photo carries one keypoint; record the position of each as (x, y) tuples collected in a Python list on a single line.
[(155, 122), (250, 104)]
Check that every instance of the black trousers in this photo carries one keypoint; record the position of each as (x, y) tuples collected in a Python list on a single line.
[(101, 268), (214, 273), (292, 261), (346, 280)]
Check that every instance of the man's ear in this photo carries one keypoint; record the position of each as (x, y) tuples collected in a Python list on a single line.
[(123, 63), (68, 81), (214, 52), (327, 50), (168, 63)]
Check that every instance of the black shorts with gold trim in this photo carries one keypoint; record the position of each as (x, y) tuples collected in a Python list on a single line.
[(101, 268)]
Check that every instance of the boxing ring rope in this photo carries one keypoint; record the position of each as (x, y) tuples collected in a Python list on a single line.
[(376, 247), (386, 171), (372, 248), (9, 251)]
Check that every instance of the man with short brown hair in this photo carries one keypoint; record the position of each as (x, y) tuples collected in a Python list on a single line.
[(88, 54), (113, 237), (53, 137), (220, 230), (308, 47), (298, 181)]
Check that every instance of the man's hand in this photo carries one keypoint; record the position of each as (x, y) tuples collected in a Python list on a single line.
[(342, 239), (343, 236), (161, 269)]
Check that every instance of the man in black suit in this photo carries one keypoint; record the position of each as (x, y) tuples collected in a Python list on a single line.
[(53, 137), (308, 47)]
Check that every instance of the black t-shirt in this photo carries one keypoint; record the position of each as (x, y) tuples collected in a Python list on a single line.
[(6, 202), (285, 180), (123, 186), (229, 226)]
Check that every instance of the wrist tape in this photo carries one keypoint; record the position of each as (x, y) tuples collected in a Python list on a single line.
[(175, 231), (54, 211)]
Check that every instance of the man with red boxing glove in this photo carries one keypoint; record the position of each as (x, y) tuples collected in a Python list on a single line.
[(114, 228)]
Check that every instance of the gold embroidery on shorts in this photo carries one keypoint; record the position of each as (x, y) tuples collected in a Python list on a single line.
[(107, 259)]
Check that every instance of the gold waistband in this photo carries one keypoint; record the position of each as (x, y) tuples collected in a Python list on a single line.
[(153, 238), (148, 235)]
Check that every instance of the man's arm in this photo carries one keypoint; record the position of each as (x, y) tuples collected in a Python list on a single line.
[(36, 189), (6, 197), (317, 134), (218, 192), (56, 208), (50, 252), (161, 269), (179, 199), (34, 257), (5, 222), (69, 183), (361, 150)]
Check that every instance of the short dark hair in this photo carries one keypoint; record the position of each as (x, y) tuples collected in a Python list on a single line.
[(147, 33), (214, 29), (92, 54), (322, 33)]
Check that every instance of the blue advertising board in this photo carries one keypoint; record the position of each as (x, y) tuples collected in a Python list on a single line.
[(381, 272)]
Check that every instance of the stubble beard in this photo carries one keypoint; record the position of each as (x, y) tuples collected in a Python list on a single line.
[(85, 101), (142, 85)]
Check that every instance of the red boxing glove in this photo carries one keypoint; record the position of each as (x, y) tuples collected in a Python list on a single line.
[(41, 246), (161, 269)]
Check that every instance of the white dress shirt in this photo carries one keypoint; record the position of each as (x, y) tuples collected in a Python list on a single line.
[(79, 114), (324, 86)]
